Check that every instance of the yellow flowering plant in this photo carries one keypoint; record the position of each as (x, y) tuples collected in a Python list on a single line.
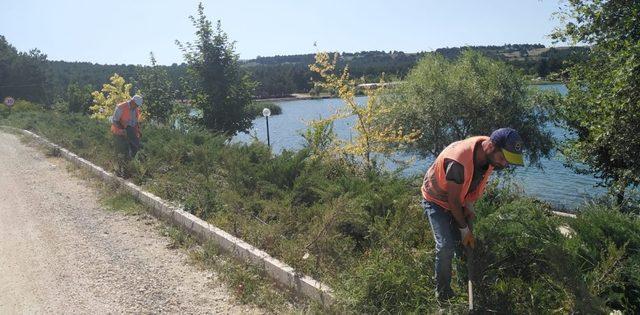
[(105, 101), (376, 133)]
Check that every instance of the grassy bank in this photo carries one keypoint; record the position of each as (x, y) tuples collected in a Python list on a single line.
[(363, 232)]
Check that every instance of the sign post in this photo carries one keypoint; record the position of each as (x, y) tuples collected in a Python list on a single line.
[(266, 113)]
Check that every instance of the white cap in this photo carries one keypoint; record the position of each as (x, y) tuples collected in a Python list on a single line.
[(138, 99)]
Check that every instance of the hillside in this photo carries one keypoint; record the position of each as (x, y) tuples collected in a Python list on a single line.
[(277, 76)]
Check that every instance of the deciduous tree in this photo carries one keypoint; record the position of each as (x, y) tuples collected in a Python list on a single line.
[(159, 97), (472, 95), (105, 101), (218, 85), (375, 133), (604, 92)]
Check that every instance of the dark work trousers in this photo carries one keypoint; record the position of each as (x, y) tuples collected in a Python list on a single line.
[(127, 145), (133, 142)]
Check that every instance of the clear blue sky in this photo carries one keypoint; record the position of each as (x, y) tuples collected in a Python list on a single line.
[(125, 31)]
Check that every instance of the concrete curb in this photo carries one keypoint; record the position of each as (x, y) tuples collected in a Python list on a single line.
[(202, 230)]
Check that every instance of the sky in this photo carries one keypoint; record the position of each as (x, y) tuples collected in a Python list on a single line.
[(125, 31)]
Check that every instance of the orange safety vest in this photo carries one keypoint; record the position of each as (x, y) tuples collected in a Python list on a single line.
[(434, 185), (124, 119)]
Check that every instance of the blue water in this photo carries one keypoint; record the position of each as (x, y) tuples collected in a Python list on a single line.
[(555, 183)]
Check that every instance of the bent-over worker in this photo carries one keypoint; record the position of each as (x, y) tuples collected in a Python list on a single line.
[(125, 126), (450, 188)]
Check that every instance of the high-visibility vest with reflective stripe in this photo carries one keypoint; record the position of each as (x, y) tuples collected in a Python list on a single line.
[(125, 117), (434, 185)]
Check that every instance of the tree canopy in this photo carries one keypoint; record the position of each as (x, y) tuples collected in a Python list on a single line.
[(23, 74), (156, 88), (217, 84), (374, 134), (473, 95), (603, 102), (106, 100), (279, 76)]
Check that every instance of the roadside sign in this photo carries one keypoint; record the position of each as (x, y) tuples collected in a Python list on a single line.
[(9, 101)]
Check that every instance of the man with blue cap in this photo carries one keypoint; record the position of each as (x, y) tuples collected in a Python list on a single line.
[(451, 186)]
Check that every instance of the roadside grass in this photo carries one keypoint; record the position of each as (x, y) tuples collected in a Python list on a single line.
[(123, 202), (249, 284), (178, 238)]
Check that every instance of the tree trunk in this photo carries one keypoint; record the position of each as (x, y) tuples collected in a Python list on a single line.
[(622, 188)]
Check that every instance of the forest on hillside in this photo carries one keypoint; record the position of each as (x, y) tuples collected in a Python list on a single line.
[(31, 76)]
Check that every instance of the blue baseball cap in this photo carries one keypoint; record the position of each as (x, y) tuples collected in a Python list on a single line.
[(509, 141)]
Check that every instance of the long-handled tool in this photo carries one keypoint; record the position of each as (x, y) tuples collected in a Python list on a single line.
[(468, 252)]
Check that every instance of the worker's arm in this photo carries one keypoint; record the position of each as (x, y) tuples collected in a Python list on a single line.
[(453, 190), (466, 236), (115, 120), (455, 178), (469, 211), (117, 124)]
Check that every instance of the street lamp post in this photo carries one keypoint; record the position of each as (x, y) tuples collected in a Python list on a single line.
[(9, 102), (266, 113)]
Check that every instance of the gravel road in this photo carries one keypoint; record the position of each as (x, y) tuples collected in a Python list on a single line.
[(62, 252)]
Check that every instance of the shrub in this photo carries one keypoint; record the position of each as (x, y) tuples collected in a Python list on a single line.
[(111, 94), (608, 245), (471, 95), (392, 280), (25, 106), (524, 264), (216, 82)]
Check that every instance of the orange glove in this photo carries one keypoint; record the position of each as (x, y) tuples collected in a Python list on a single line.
[(467, 237)]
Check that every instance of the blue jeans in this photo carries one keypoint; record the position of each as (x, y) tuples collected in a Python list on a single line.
[(447, 237)]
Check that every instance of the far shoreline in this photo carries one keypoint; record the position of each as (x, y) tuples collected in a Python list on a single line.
[(307, 96), (295, 97)]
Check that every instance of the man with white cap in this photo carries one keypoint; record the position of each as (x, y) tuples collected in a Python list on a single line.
[(125, 126), (450, 188)]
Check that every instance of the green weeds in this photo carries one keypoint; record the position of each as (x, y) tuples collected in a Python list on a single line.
[(179, 239), (122, 202)]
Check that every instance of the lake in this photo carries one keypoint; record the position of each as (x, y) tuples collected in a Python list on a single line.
[(556, 183)]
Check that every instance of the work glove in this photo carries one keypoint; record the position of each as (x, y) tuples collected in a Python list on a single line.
[(467, 237)]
